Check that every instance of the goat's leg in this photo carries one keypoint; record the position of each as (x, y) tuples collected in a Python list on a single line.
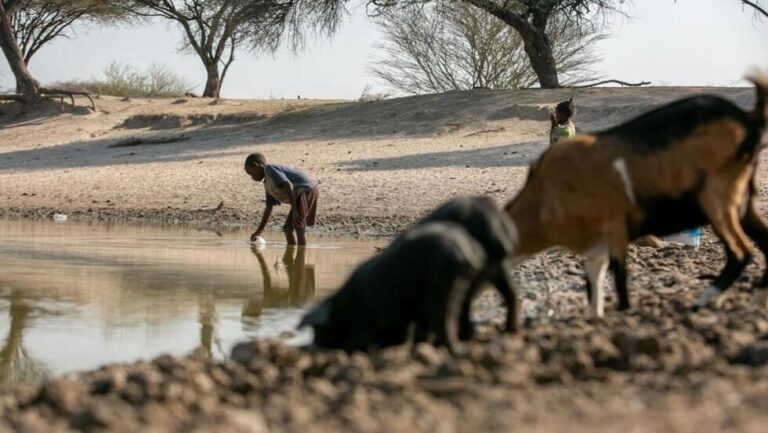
[(618, 267), (757, 229), (726, 225), (502, 279), (445, 315), (466, 330), (595, 265), (618, 239)]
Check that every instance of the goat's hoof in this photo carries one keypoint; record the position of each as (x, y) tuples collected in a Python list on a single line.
[(595, 313), (709, 294), (720, 301)]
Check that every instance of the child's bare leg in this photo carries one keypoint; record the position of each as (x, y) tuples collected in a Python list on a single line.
[(302, 236), (290, 238)]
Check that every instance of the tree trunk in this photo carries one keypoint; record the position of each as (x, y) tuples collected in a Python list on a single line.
[(538, 47), (539, 51), (213, 83), (28, 86)]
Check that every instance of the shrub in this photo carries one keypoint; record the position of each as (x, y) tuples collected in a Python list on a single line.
[(158, 81), (368, 95)]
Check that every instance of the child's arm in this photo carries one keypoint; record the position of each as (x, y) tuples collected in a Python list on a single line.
[(263, 224)]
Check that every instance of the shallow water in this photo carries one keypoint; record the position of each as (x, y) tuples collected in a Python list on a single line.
[(74, 296)]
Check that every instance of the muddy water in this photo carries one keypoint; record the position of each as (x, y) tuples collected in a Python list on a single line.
[(75, 296)]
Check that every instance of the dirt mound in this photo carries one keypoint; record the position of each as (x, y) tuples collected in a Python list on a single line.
[(657, 354)]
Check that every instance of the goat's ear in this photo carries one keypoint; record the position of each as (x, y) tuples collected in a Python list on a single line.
[(319, 316)]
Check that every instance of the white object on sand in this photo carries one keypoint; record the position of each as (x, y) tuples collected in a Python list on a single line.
[(259, 241), (688, 237), (59, 217)]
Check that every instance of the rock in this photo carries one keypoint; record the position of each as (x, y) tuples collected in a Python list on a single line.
[(112, 379), (231, 421), (64, 395), (755, 355), (427, 354)]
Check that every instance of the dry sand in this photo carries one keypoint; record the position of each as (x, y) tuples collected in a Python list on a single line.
[(380, 164), (659, 367)]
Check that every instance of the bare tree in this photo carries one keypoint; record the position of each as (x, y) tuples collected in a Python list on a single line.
[(38, 22), (213, 29), (530, 19), (27, 85), (757, 5), (27, 25), (291, 21), (451, 46)]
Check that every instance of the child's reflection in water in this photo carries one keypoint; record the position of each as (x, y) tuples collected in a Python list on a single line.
[(301, 282)]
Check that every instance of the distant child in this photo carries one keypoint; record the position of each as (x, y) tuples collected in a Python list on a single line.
[(562, 126), (285, 185)]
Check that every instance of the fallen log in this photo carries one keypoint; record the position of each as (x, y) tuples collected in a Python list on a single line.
[(138, 141), (600, 83), (53, 93)]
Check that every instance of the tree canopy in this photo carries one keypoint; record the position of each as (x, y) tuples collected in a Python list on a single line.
[(453, 46)]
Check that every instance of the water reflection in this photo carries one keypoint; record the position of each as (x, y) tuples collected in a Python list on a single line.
[(300, 287), (76, 296), (16, 366)]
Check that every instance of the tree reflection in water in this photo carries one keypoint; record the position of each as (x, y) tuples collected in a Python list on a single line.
[(16, 366)]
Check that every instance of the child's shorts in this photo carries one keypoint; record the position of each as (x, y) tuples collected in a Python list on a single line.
[(305, 212)]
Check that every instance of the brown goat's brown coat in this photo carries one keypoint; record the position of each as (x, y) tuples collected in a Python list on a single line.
[(595, 193)]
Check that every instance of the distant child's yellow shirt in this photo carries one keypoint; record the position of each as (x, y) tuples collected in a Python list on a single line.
[(565, 130)]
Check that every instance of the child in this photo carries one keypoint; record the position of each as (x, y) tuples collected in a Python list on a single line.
[(562, 126), (285, 185)]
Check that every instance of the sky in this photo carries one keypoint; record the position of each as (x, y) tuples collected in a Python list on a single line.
[(687, 42)]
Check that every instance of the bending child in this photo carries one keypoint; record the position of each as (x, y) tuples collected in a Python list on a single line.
[(562, 126), (285, 185)]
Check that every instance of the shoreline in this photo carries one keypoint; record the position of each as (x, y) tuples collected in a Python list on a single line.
[(372, 227)]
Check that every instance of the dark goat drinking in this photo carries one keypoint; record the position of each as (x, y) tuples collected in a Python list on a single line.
[(428, 277), (489, 226), (683, 165), (415, 283)]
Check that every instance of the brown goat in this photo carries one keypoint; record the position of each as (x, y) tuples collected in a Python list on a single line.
[(686, 164)]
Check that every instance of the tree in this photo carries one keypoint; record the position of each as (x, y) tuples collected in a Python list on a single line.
[(213, 29), (38, 22), (27, 85), (452, 46), (757, 6), (292, 20), (530, 19), (27, 25)]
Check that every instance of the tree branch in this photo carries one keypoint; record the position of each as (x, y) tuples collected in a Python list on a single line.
[(599, 83), (756, 7)]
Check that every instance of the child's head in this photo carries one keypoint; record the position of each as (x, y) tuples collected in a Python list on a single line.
[(564, 111), (254, 166)]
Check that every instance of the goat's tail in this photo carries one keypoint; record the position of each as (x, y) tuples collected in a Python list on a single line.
[(760, 114)]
